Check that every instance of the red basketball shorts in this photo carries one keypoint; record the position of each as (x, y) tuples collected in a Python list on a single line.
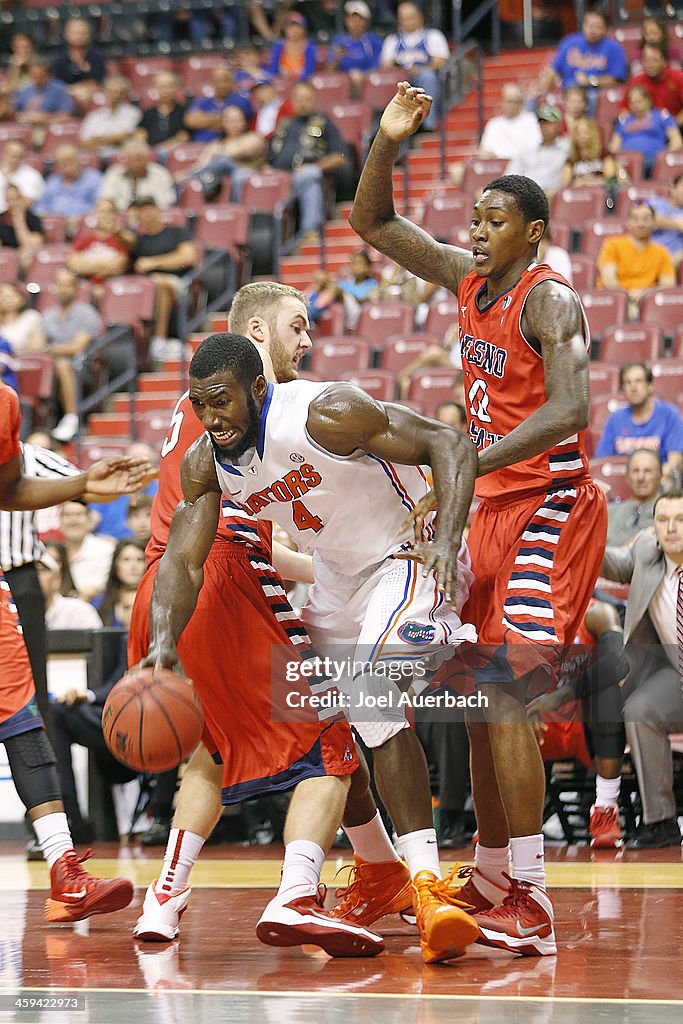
[(535, 563), (230, 649), (18, 709)]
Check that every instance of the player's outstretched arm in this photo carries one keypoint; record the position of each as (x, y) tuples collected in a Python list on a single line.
[(344, 420), (373, 215), (107, 478), (181, 570), (553, 324)]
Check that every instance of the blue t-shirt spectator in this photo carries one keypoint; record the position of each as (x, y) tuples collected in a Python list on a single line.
[(670, 238), (8, 366), (212, 105), (646, 135), (114, 514), (53, 98), (70, 198), (662, 433), (574, 53), (275, 64), (358, 54)]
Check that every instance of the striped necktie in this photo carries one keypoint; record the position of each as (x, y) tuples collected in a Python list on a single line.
[(679, 623)]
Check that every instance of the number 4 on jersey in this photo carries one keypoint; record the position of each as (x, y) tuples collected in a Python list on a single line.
[(304, 519)]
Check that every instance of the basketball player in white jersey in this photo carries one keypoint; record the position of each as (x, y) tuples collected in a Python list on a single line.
[(319, 460)]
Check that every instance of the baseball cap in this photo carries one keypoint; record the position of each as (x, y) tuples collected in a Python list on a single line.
[(358, 7), (548, 113)]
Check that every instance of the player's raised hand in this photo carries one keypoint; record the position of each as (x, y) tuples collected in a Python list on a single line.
[(405, 113), (111, 477)]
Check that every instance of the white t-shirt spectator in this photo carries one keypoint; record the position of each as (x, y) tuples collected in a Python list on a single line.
[(104, 122), (507, 137), (91, 564), (27, 179), (19, 333), (71, 613), (411, 53)]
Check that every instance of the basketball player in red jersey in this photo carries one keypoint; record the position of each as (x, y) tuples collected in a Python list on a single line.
[(74, 893), (244, 602), (538, 536)]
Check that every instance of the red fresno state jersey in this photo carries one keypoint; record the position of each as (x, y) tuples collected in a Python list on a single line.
[(504, 385), (235, 526), (10, 423)]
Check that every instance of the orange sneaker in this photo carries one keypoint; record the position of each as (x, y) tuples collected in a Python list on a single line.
[(75, 895), (373, 891), (605, 828), (464, 883), (446, 929)]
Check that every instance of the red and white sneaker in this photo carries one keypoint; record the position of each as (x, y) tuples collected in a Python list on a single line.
[(161, 913), (605, 828), (75, 895), (468, 885), (522, 924), (302, 921)]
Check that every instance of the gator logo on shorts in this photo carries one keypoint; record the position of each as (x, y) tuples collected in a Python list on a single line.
[(416, 633)]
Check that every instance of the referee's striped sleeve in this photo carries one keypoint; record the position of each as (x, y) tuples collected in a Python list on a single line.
[(44, 464)]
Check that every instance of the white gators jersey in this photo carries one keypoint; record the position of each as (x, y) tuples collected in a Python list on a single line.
[(347, 510)]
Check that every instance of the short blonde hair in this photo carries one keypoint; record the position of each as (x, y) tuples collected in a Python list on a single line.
[(260, 298)]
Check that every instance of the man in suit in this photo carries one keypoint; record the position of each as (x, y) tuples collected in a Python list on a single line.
[(653, 701)]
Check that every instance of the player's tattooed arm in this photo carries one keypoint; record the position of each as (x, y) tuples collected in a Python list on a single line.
[(181, 573), (344, 420), (373, 215), (553, 324)]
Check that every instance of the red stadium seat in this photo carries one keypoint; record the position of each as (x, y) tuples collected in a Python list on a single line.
[(445, 212), (480, 172), (601, 408), (353, 121), (431, 387), (9, 265), (668, 379), (560, 234), (611, 471), (379, 87), (128, 299), (604, 308), (604, 380), (632, 162), (140, 73), (195, 72), (677, 350), (668, 164), (379, 320), (441, 317), (595, 234), (583, 271), (58, 133), (266, 190), (331, 88), (643, 190), (609, 103), (629, 36), (92, 449), (36, 375), (400, 351), (663, 306), (183, 158), (54, 229), (43, 265), (381, 384), (152, 426), (578, 206), (330, 322), (223, 226), (333, 358), (9, 132), (632, 343), (192, 198)]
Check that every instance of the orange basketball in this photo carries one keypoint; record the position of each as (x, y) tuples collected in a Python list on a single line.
[(152, 720)]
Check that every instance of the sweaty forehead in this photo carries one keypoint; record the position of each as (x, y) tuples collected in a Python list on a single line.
[(219, 383)]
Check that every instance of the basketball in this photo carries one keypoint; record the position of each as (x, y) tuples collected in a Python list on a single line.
[(152, 720)]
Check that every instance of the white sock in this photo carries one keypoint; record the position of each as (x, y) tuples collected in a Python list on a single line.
[(607, 791), (528, 862), (182, 850), (301, 869), (494, 863), (420, 851), (371, 841), (54, 836)]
